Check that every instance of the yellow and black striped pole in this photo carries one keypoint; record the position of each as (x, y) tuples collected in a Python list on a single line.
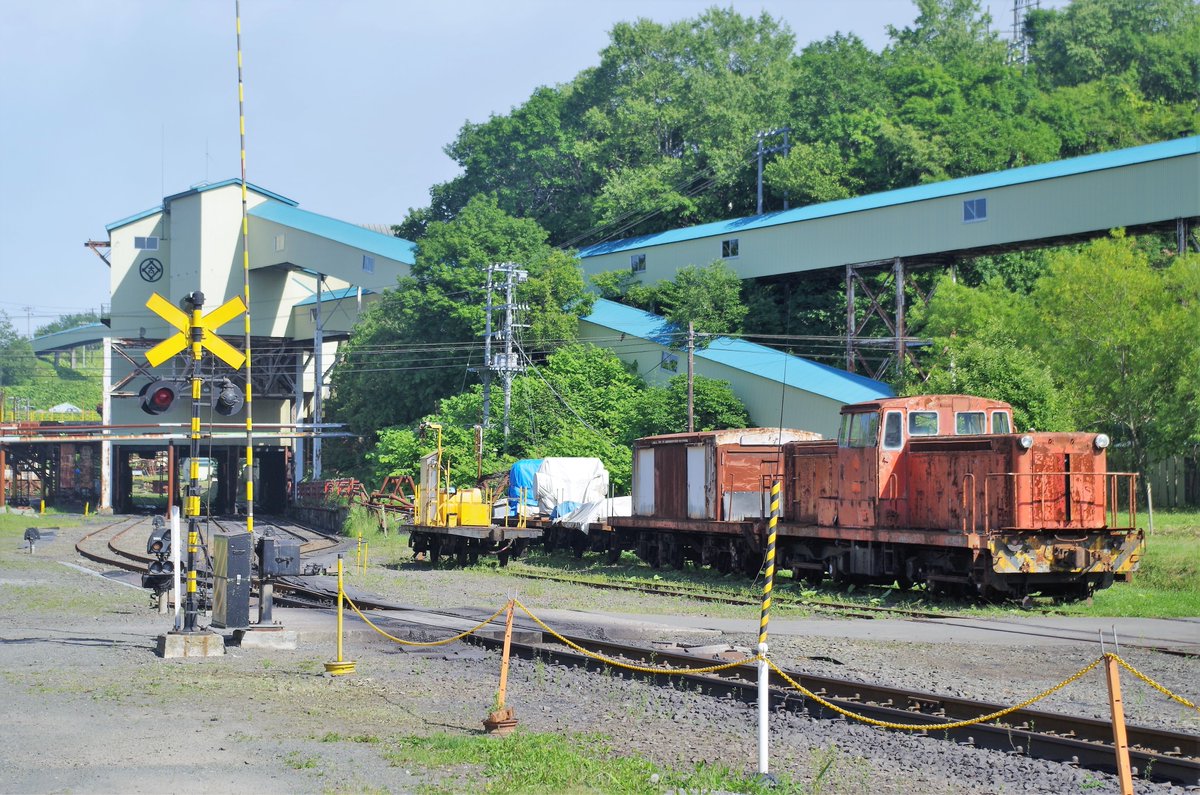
[(237, 9), (764, 673), (770, 582), (193, 493)]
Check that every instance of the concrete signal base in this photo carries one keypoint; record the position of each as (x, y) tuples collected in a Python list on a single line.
[(190, 644), (274, 638)]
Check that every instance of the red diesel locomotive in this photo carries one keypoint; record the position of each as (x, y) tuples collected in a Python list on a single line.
[(937, 489)]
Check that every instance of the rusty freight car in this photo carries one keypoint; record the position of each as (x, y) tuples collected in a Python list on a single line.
[(699, 496)]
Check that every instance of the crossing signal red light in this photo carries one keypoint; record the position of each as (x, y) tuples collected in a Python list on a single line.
[(157, 396)]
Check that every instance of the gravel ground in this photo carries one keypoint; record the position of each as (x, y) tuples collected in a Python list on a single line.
[(91, 709)]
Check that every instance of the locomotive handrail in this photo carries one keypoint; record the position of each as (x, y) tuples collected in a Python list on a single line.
[(974, 505), (1108, 487), (893, 483)]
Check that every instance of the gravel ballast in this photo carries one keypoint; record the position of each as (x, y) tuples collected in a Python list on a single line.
[(93, 710)]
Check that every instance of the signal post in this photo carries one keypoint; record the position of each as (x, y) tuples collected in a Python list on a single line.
[(197, 331)]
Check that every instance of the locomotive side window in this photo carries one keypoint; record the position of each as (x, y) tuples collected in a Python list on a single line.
[(967, 423), (859, 430), (893, 430), (922, 423), (1000, 422)]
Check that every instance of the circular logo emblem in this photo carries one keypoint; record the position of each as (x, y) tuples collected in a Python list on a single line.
[(151, 269)]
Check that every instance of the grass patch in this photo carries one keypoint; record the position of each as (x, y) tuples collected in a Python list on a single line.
[(549, 763)]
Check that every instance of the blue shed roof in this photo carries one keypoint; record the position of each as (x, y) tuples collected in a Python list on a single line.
[(748, 357), (395, 248), (194, 190), (934, 190)]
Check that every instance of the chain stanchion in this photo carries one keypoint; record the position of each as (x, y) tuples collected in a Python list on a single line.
[(1112, 672), (503, 718), (340, 667)]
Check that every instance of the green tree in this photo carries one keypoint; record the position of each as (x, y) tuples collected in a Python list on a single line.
[(67, 322), (1110, 326), (715, 407), (421, 341), (16, 354)]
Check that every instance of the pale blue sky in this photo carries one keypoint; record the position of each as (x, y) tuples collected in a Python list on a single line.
[(108, 105)]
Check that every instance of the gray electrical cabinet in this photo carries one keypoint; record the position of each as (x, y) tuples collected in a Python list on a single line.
[(231, 559), (278, 557)]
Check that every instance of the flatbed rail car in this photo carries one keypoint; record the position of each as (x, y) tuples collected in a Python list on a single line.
[(459, 522), (934, 489)]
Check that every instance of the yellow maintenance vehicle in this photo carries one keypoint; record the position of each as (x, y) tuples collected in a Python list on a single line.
[(458, 522)]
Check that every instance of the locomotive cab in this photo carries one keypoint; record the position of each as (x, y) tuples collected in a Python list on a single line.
[(874, 477)]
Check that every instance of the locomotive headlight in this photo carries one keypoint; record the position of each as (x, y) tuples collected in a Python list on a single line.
[(1102, 441), (1026, 441)]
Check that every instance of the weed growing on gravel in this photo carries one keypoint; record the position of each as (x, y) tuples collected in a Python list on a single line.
[(297, 762), (530, 762)]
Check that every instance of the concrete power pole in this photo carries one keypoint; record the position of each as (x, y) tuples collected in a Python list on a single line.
[(506, 364)]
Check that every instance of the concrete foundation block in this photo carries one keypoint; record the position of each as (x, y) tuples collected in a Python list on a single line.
[(190, 644), (275, 638)]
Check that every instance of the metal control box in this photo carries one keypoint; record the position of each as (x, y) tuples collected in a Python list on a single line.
[(231, 579), (278, 557)]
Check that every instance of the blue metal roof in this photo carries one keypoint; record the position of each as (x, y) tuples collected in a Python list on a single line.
[(207, 186), (193, 190), (134, 217), (935, 190), (332, 295), (395, 248), (748, 357)]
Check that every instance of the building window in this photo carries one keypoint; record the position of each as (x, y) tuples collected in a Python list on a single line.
[(637, 263), (974, 211), (145, 243), (279, 242), (368, 263), (670, 362), (729, 248)]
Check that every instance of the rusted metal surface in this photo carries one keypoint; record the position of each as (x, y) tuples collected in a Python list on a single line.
[(710, 475)]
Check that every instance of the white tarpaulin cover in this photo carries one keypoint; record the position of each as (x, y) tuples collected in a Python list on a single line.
[(579, 480), (597, 513)]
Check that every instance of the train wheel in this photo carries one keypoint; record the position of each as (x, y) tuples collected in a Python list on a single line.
[(904, 583), (724, 561), (502, 558), (752, 565), (461, 554), (579, 543), (435, 551), (613, 554)]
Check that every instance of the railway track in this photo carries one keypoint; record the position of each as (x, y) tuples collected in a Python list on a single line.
[(1158, 753), (850, 610), (1082, 741)]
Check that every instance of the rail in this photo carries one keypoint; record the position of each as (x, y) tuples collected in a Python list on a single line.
[(1039, 499)]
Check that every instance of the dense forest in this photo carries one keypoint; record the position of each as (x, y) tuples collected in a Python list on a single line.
[(663, 133)]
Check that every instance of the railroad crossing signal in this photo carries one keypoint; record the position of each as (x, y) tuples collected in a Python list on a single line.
[(182, 321)]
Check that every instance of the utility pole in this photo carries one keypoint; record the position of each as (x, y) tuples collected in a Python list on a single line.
[(784, 147), (691, 345), (506, 364), (487, 354)]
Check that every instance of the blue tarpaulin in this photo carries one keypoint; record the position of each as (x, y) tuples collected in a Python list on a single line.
[(523, 476)]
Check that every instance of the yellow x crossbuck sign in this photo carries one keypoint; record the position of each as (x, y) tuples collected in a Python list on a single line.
[(182, 321)]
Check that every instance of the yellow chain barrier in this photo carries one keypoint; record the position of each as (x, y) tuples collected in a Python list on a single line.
[(795, 685), (1152, 683), (459, 636), (639, 668), (934, 726)]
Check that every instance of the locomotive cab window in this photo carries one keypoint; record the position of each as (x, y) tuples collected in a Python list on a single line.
[(859, 430), (893, 430), (922, 423), (969, 423), (1000, 423)]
